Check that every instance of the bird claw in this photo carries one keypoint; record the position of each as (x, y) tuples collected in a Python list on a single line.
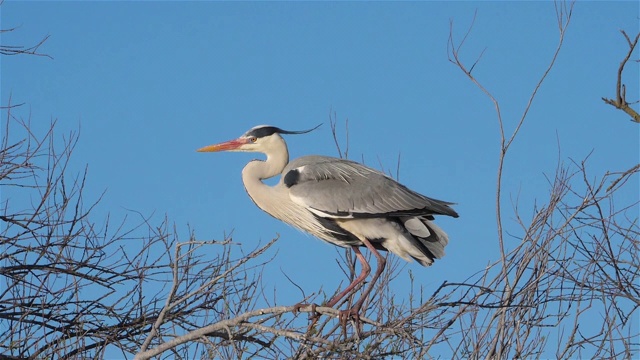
[(351, 313)]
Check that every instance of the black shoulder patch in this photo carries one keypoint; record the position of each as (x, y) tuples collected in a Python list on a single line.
[(291, 178), (263, 131)]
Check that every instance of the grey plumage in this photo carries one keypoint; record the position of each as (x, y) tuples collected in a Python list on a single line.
[(334, 189), (343, 187), (342, 202)]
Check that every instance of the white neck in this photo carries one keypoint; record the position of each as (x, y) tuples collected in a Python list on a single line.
[(255, 171)]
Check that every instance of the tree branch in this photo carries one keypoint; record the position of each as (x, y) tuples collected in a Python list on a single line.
[(620, 101)]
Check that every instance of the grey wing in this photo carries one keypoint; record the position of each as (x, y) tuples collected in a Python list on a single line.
[(341, 188)]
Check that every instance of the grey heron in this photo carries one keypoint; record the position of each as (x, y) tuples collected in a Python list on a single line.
[(342, 202)]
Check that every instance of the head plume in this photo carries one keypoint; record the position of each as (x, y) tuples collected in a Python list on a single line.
[(267, 130)]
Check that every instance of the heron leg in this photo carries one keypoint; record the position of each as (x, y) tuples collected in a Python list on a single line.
[(355, 310), (366, 270)]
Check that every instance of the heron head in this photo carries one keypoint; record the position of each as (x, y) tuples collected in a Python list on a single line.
[(257, 139)]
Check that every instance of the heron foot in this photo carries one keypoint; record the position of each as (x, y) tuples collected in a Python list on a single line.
[(351, 313)]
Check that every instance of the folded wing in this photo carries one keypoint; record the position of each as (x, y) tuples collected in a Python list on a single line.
[(345, 189)]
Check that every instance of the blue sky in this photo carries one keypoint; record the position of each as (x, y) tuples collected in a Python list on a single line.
[(148, 83)]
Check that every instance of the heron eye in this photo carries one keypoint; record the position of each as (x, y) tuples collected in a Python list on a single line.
[(253, 139)]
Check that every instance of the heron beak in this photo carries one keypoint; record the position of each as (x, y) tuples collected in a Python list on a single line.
[(224, 146)]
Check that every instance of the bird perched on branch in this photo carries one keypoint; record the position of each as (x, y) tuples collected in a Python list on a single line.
[(342, 202)]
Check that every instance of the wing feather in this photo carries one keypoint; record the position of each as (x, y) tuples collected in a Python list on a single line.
[(342, 188)]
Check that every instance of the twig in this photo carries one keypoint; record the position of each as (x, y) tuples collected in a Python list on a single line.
[(620, 101), (242, 321)]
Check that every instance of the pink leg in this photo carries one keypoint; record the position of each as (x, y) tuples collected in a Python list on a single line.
[(355, 310), (366, 270)]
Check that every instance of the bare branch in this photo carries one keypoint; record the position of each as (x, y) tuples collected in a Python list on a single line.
[(11, 50), (620, 102)]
